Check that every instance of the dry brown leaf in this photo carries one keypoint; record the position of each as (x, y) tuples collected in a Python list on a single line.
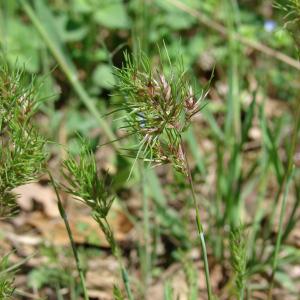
[(84, 228), (275, 108), (44, 195)]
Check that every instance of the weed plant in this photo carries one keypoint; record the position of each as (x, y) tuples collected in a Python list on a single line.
[(159, 107), (22, 154), (85, 184)]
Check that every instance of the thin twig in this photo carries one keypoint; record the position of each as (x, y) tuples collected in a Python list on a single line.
[(225, 33)]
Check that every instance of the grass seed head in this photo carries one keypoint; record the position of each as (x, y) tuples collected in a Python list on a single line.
[(159, 107), (22, 155), (85, 183)]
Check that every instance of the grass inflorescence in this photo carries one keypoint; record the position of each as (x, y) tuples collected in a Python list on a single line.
[(238, 251), (159, 107), (22, 154)]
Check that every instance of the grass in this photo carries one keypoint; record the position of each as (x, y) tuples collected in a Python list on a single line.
[(229, 163), (68, 228)]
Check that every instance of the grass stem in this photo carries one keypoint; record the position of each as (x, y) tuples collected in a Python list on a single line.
[(280, 231), (146, 230), (199, 226), (72, 242), (116, 251)]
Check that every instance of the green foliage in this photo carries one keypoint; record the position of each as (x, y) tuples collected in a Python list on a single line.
[(103, 76), (118, 294), (168, 291), (6, 280), (105, 11), (29, 45), (48, 276), (291, 10), (22, 153)]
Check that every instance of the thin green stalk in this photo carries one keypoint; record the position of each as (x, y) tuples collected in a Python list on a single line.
[(125, 278), (262, 187), (117, 253), (233, 121), (74, 249), (241, 296), (146, 230), (219, 241), (280, 231), (199, 226)]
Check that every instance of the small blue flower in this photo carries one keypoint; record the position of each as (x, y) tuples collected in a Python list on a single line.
[(270, 25)]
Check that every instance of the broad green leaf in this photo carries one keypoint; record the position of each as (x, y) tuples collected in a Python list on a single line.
[(178, 21), (69, 35), (103, 76), (21, 45), (43, 276), (112, 15)]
